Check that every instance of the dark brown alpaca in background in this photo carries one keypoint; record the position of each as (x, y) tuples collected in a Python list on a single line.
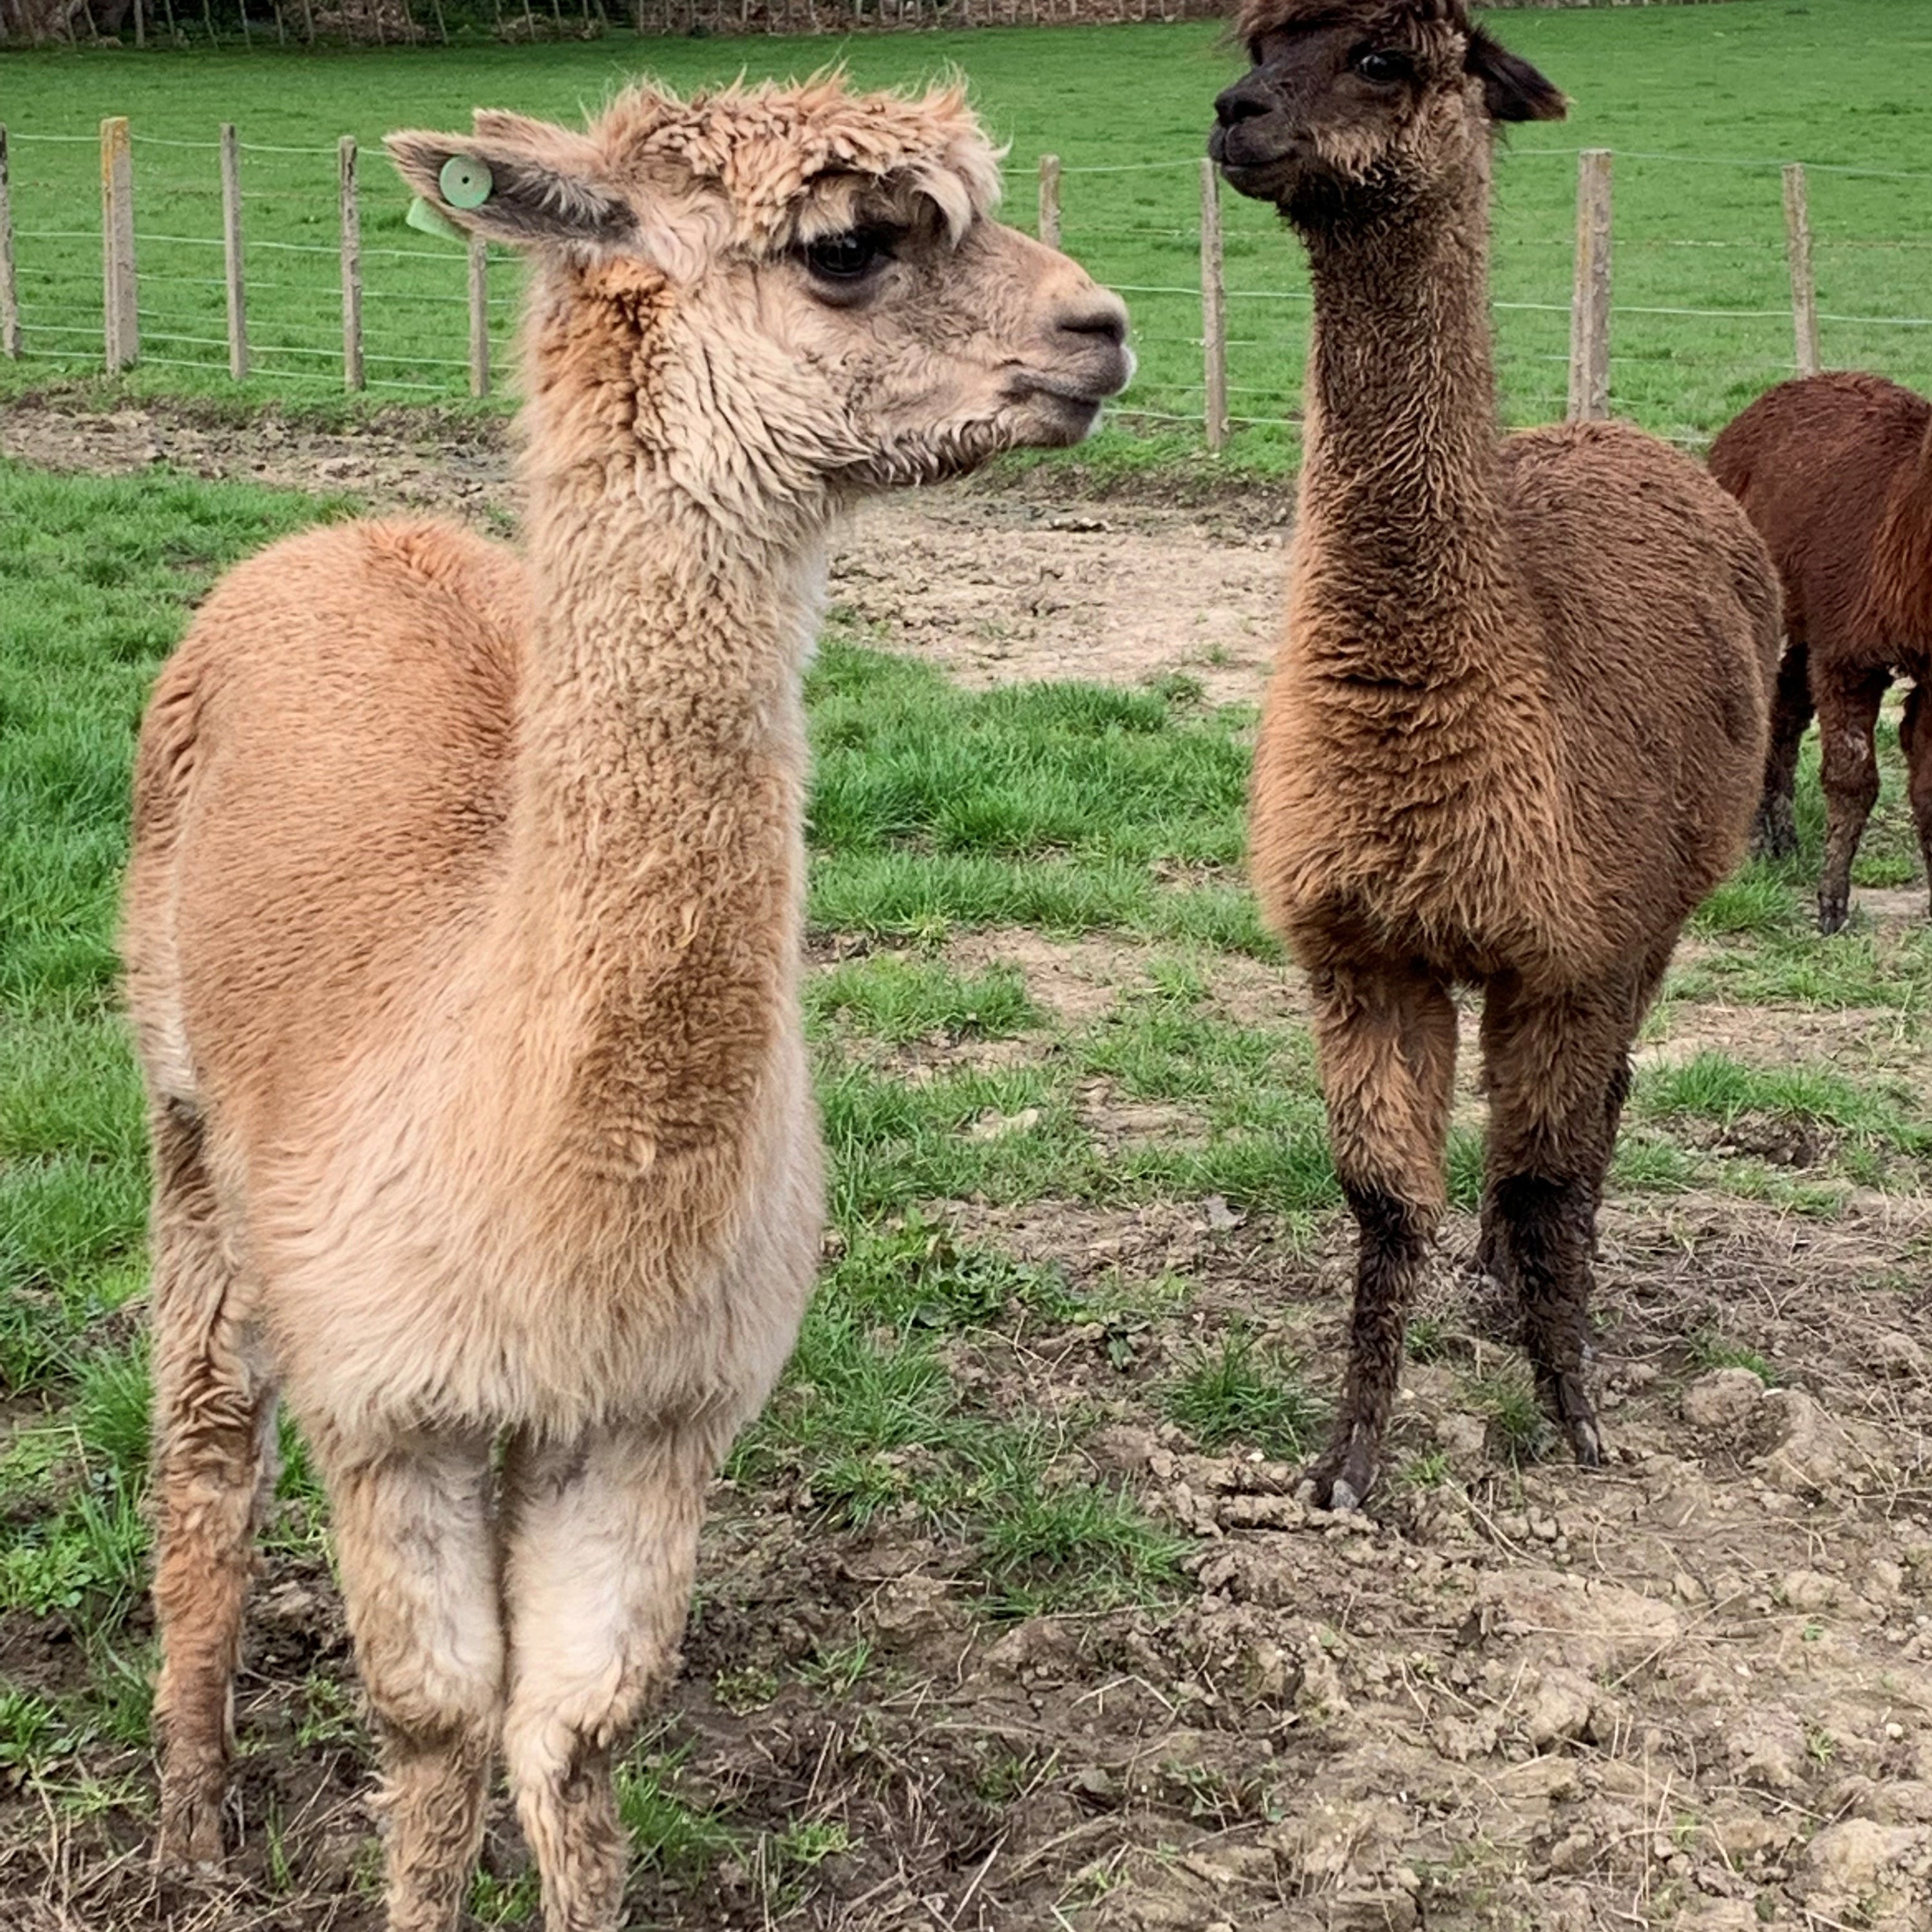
[(1517, 729), (1836, 472)]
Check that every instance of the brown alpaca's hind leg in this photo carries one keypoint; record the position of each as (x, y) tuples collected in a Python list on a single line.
[(1915, 738), (1386, 1039), (1775, 833), (600, 1549), (416, 1545), (1848, 708), (213, 1417), (1558, 1070)]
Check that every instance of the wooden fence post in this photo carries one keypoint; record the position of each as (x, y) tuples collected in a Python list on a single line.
[(1049, 200), (352, 264), (479, 316), (1214, 310), (10, 294), (1798, 250), (231, 252), (123, 327), (1590, 300)]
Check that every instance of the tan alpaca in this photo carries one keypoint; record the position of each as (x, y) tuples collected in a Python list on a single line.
[(462, 940)]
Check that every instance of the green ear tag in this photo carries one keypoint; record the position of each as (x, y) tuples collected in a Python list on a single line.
[(465, 183), (428, 220)]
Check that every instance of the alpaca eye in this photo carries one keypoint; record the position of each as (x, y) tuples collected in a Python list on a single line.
[(1378, 64), (847, 257)]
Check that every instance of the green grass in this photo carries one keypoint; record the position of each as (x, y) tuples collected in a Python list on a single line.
[(871, 1420), (1246, 1393), (1699, 103), (895, 999), (1714, 1087)]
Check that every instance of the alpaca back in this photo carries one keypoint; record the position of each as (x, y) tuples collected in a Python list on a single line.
[(319, 796), (1817, 464), (1659, 614)]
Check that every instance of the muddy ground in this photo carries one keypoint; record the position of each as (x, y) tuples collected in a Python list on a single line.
[(1694, 1689)]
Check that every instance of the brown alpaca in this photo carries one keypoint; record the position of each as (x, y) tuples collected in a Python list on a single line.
[(1514, 732), (462, 936), (1836, 472)]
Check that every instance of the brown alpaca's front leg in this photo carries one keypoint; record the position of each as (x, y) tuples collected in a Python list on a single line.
[(417, 1548), (1848, 708), (1386, 1036), (1775, 833), (1558, 1069), (600, 1542)]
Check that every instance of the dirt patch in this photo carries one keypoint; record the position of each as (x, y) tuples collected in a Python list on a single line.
[(1694, 1689), (1075, 980), (995, 586), (999, 590), (1890, 907), (1856, 1041)]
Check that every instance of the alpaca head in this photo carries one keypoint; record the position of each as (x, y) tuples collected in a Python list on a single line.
[(1355, 108), (780, 292)]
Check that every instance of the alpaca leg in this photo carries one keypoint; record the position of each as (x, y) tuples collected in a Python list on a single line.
[(1916, 740), (214, 1418), (1386, 1042), (1847, 718), (417, 1550), (1558, 1069), (1775, 834), (600, 1548)]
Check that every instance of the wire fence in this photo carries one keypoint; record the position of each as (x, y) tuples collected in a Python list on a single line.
[(304, 228), (271, 266)]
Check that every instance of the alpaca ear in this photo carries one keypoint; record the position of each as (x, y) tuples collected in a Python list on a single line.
[(1513, 90), (516, 180)]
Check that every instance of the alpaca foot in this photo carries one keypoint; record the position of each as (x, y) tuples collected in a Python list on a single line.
[(1567, 1405), (1343, 1477), (1834, 911), (188, 1845)]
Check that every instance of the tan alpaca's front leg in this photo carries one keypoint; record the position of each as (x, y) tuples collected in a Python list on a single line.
[(600, 1547), (417, 1548), (1386, 1038), (214, 1416)]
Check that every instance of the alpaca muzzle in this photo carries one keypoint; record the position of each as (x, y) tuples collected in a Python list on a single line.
[(1252, 141)]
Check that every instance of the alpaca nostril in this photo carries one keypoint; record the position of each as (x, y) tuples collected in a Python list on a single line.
[(1239, 103), (1104, 318)]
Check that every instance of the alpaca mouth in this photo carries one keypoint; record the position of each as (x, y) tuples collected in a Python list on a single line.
[(1253, 162), (1107, 374)]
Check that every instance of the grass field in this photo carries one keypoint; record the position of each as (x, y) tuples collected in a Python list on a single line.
[(1081, 1199), (1700, 104)]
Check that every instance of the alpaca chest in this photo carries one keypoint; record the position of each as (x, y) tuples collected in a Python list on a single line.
[(444, 1286), (1408, 825)]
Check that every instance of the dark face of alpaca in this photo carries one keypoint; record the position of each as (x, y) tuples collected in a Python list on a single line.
[(1353, 110)]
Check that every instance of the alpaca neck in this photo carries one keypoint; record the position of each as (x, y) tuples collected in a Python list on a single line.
[(657, 862), (1399, 492)]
